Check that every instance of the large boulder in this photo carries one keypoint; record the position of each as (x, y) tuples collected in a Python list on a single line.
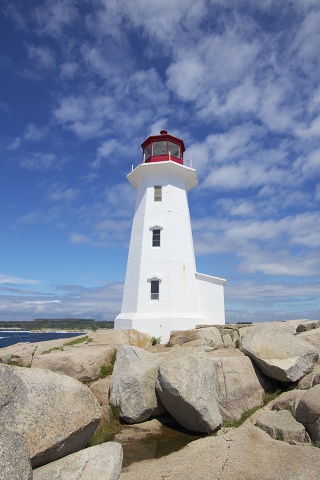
[(132, 386), (308, 413), (287, 400), (20, 354), (311, 379), (14, 457), (187, 388), (242, 453), (208, 336), (281, 425), (102, 462), (83, 361), (80, 362), (278, 352), (312, 337), (56, 414), (306, 326), (239, 387)]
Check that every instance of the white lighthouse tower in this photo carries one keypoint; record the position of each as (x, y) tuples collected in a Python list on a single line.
[(163, 291)]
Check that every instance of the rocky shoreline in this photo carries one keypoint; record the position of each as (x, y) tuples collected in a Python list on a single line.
[(58, 395)]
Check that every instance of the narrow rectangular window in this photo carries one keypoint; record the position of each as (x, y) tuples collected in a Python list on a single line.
[(156, 238), (155, 289), (157, 193)]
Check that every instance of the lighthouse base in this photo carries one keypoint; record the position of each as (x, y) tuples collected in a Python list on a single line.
[(160, 327)]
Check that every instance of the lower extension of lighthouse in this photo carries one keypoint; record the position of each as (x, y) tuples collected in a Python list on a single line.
[(163, 291)]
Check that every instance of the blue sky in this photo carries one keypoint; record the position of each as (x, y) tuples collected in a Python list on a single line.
[(83, 83)]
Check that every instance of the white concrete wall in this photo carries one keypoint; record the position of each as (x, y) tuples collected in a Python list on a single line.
[(211, 297)]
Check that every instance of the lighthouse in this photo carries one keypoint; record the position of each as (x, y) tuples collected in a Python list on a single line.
[(162, 290)]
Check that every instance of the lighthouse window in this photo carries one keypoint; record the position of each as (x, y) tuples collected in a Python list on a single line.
[(157, 193), (174, 149), (155, 289), (159, 148), (156, 238)]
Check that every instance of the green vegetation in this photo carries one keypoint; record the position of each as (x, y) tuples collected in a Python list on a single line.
[(52, 350), (244, 417), (155, 340), (107, 429), (293, 413), (268, 396), (76, 341), (76, 324), (107, 369)]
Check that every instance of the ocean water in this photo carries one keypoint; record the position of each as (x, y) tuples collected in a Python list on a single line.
[(10, 337)]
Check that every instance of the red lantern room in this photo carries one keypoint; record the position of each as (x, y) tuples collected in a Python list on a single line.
[(163, 147)]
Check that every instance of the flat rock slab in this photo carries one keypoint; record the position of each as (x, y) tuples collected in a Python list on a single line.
[(56, 414), (278, 353), (282, 426), (102, 462), (188, 390), (246, 453)]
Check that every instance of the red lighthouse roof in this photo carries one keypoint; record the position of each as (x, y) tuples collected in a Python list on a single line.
[(163, 147)]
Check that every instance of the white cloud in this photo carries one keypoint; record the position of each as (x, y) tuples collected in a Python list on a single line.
[(61, 193), (32, 132), (79, 238), (11, 11), (68, 70), (40, 161), (14, 144), (101, 303), (245, 175), (71, 109), (16, 280), (107, 149), (41, 57), (53, 16)]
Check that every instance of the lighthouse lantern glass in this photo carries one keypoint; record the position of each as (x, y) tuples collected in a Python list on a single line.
[(147, 152), (174, 149), (159, 148)]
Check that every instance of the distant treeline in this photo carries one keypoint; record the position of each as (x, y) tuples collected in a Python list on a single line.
[(58, 324)]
